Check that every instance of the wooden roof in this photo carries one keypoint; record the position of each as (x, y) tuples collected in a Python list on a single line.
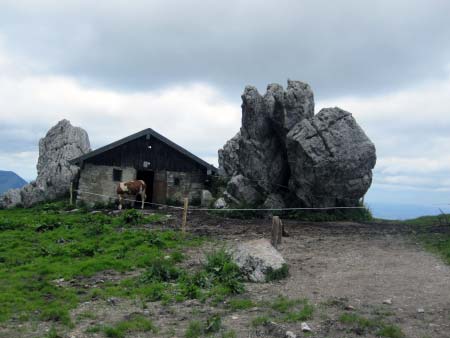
[(150, 132)]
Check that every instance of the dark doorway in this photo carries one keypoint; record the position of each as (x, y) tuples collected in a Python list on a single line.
[(147, 176)]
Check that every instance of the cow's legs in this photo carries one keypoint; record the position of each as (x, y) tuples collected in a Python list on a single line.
[(143, 196), (120, 202)]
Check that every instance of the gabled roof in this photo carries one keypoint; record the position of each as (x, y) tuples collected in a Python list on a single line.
[(135, 136)]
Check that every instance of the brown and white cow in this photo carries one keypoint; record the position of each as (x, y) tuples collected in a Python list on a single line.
[(131, 188)]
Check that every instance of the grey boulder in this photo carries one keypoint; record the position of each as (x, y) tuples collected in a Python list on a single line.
[(331, 159), (256, 258), (241, 189)]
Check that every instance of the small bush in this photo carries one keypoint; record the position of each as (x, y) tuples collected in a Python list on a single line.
[(154, 239), (277, 274), (213, 324), (160, 271), (224, 271), (260, 321), (304, 314), (132, 217), (390, 331), (194, 330)]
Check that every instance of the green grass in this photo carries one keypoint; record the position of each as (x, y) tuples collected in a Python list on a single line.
[(433, 232), (361, 325), (241, 304), (284, 304), (305, 313), (194, 330), (260, 321), (137, 323), (41, 245), (390, 331)]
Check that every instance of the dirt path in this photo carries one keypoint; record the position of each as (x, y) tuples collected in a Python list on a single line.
[(360, 264)]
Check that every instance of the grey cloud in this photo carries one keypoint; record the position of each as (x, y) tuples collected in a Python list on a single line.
[(345, 47)]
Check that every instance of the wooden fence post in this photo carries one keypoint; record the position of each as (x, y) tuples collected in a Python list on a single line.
[(185, 211), (71, 193), (277, 230)]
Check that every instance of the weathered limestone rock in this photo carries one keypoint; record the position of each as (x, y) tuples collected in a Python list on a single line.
[(11, 198), (331, 159), (259, 157), (228, 157), (241, 189), (274, 201), (287, 108), (62, 143), (206, 198), (220, 203), (256, 258), (283, 150)]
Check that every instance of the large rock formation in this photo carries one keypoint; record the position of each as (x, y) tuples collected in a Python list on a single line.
[(62, 143), (284, 155)]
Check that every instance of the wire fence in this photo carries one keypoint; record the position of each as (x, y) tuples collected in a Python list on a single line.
[(218, 209)]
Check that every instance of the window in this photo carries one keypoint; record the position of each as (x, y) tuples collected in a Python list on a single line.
[(176, 181), (117, 175)]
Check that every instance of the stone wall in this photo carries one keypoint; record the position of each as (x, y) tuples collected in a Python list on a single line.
[(98, 179), (181, 185), (168, 186)]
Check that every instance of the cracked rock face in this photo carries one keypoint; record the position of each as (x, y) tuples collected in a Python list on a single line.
[(286, 155), (62, 143), (331, 159)]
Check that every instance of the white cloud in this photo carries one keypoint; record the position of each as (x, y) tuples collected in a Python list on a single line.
[(196, 116)]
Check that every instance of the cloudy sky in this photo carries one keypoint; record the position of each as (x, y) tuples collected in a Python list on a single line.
[(116, 67)]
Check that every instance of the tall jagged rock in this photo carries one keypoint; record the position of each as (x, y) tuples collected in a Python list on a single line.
[(62, 143), (259, 158), (284, 151)]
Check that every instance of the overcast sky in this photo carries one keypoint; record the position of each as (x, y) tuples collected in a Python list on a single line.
[(116, 67)]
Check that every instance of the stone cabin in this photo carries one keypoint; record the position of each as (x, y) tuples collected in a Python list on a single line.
[(170, 171)]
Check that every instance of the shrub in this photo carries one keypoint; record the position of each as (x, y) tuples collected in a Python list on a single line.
[(213, 324), (304, 314), (132, 217), (194, 330), (160, 271), (155, 240), (224, 271), (261, 320), (277, 274), (390, 331)]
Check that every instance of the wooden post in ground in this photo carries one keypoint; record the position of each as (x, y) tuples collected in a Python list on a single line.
[(277, 230), (71, 193), (185, 211)]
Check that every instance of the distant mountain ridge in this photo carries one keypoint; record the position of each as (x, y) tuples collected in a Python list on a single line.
[(10, 180)]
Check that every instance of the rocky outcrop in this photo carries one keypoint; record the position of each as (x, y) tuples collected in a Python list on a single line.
[(11, 198), (256, 259), (62, 143), (331, 159), (286, 156)]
